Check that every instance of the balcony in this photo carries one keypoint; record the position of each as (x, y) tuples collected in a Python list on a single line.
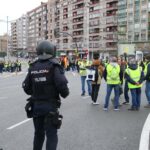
[(78, 20), (111, 1), (79, 6), (78, 1), (113, 7), (111, 24), (78, 33), (78, 15), (111, 48)]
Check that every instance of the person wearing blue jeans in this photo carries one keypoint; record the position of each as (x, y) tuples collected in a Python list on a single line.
[(113, 75), (116, 98), (83, 80), (83, 74), (136, 98)]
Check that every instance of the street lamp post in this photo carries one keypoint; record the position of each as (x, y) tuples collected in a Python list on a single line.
[(7, 39), (86, 26)]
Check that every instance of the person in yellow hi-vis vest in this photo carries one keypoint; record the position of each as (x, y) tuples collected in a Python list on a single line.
[(135, 76), (83, 73), (113, 75), (147, 78)]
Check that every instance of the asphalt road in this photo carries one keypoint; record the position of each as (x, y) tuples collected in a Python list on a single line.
[(85, 127)]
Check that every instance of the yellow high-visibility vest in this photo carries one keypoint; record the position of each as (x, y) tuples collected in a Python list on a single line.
[(135, 75), (110, 79)]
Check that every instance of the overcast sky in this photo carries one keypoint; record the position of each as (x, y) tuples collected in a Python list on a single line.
[(15, 9)]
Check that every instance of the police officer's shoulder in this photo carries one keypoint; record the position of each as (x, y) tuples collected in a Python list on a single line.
[(56, 63), (33, 63)]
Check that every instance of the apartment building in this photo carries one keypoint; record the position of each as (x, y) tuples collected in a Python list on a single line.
[(149, 20), (14, 36), (97, 26), (60, 21), (3, 43), (37, 27), (21, 33), (90, 25), (133, 22), (18, 40), (122, 20), (111, 26)]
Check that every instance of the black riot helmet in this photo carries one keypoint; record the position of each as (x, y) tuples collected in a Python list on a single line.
[(46, 48)]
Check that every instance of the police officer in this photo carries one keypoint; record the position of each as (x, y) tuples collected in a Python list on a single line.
[(45, 82)]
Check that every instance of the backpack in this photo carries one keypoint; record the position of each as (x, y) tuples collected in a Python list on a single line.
[(114, 73)]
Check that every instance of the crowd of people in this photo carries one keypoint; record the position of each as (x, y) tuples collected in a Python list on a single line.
[(120, 74), (10, 66)]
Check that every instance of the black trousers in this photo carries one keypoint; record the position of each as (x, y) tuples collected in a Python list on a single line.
[(126, 91), (95, 90), (44, 127)]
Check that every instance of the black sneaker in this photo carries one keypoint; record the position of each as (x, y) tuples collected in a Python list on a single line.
[(132, 109), (137, 109), (83, 94)]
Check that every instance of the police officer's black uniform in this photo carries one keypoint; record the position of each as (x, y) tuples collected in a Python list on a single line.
[(45, 82)]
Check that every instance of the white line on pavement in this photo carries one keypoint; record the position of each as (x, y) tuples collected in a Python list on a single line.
[(18, 124), (145, 135)]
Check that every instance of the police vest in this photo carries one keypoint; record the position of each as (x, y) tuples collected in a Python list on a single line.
[(43, 86), (110, 69), (135, 75)]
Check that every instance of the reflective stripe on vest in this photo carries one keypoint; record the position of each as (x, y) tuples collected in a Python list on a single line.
[(109, 79), (135, 75)]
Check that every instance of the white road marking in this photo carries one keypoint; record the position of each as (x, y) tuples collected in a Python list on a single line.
[(145, 135), (18, 124)]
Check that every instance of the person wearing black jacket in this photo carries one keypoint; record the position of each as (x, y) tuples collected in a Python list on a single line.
[(147, 78), (45, 83)]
